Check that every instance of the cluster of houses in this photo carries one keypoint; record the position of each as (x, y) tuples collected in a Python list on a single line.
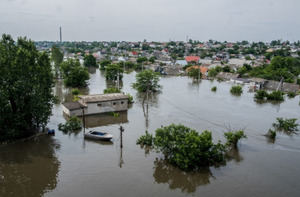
[(172, 57)]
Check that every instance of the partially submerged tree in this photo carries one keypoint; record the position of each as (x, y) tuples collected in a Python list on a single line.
[(74, 74), (195, 73), (275, 96), (236, 90), (145, 140), (233, 137), (147, 81), (288, 125), (111, 90), (104, 63), (260, 94), (113, 72), (186, 148), (90, 61), (214, 89), (26, 83), (73, 124)]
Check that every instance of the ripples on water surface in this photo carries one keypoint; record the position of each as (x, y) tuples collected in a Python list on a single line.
[(68, 165)]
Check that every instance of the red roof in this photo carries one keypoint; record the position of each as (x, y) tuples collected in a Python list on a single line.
[(192, 58), (134, 53)]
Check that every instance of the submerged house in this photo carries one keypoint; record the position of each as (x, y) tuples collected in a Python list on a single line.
[(96, 104)]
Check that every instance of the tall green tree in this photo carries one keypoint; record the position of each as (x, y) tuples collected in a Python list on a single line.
[(147, 81), (104, 63), (26, 83), (90, 61), (74, 74), (113, 71), (57, 57)]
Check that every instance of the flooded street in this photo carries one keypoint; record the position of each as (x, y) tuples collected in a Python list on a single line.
[(69, 165)]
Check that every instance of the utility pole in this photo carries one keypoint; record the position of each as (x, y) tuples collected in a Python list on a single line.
[(121, 136), (83, 118), (121, 146), (118, 82)]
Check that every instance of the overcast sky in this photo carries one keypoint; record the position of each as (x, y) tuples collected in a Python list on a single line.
[(154, 20)]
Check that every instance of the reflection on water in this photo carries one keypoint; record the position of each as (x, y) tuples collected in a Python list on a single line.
[(234, 154), (146, 101), (92, 70), (64, 94), (114, 84), (106, 119), (93, 168), (105, 143), (178, 179), (188, 181), (28, 168)]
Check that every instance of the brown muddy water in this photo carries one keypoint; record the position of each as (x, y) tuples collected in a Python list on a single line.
[(68, 165)]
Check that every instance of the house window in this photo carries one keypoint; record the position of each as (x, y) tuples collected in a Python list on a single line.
[(122, 102), (99, 104), (114, 103)]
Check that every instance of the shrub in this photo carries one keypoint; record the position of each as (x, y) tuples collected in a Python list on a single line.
[(288, 126), (75, 91), (195, 73), (186, 148), (90, 60), (260, 95), (111, 90), (237, 90), (271, 134), (130, 98), (73, 124), (298, 81), (233, 137), (291, 94), (275, 96), (145, 140), (214, 89), (104, 63), (114, 114), (214, 71)]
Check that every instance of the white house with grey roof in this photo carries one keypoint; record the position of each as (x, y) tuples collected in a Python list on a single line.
[(96, 104)]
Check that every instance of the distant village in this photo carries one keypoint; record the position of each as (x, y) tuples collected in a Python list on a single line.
[(173, 58)]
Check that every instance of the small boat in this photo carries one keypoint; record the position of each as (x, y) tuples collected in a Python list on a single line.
[(97, 135), (50, 131)]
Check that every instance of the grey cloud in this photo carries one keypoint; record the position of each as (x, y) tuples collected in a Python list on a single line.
[(154, 20)]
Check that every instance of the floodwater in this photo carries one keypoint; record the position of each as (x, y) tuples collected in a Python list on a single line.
[(69, 165)]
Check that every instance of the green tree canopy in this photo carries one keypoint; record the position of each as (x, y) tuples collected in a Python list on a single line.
[(26, 83), (74, 74), (186, 148), (90, 60), (195, 73), (113, 71), (286, 67), (104, 63), (141, 59), (147, 80)]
